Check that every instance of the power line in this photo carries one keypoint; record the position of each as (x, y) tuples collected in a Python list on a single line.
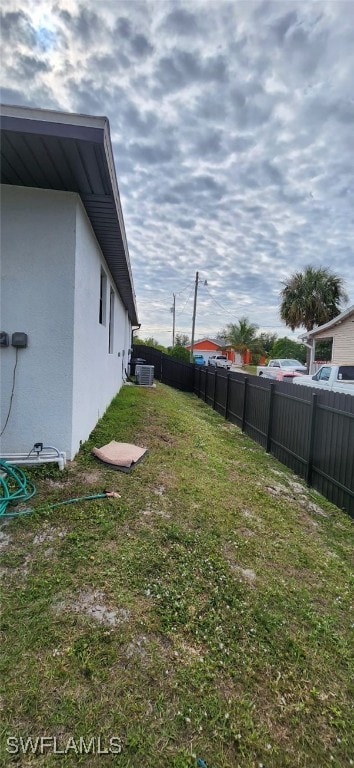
[(186, 302), (218, 303)]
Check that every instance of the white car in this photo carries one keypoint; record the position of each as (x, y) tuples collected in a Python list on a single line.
[(219, 361), (274, 367)]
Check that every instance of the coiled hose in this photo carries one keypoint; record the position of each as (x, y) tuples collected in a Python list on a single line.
[(16, 488)]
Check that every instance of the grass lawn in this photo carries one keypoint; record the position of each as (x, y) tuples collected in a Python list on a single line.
[(204, 615)]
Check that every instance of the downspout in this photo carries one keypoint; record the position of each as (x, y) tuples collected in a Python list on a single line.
[(311, 347), (135, 328)]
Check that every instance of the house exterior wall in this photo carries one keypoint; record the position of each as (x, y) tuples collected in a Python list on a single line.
[(343, 341), (50, 288), (37, 297), (97, 373)]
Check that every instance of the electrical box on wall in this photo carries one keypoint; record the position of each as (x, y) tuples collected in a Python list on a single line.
[(19, 339), (4, 339)]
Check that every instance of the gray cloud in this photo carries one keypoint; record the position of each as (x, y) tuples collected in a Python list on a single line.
[(86, 25), (30, 66), (16, 28), (180, 70), (283, 24), (181, 22), (137, 42)]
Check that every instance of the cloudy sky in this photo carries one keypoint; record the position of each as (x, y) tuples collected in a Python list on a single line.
[(232, 125)]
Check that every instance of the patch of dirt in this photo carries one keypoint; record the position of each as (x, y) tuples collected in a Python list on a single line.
[(308, 521), (49, 534), (160, 490), (228, 690), (137, 648), (60, 484), (245, 574), (249, 515), (278, 490), (245, 532), (296, 492), (92, 477), (188, 653), (159, 512), (23, 569), (311, 507), (297, 487), (5, 539), (92, 604), (48, 552), (143, 648)]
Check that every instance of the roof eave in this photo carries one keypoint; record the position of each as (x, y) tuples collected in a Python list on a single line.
[(75, 131), (331, 324)]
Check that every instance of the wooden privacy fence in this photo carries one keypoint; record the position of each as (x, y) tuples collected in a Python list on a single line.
[(310, 431)]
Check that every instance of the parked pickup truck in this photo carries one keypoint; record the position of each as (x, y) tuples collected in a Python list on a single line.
[(219, 361), (339, 378), (274, 367)]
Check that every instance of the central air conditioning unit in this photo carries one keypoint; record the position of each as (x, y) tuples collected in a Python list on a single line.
[(144, 375)]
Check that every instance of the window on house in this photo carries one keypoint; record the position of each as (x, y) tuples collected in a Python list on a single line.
[(103, 298), (111, 322)]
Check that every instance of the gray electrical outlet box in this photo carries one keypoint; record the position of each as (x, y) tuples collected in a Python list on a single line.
[(4, 339), (19, 339)]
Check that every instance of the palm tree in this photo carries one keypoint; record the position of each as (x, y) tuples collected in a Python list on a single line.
[(242, 336), (312, 297)]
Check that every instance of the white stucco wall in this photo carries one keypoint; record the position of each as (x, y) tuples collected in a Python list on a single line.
[(50, 286), (37, 296), (97, 374)]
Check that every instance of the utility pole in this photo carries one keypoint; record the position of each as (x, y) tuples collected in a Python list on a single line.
[(194, 313), (173, 310)]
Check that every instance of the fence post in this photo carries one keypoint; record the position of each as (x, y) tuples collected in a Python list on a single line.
[(311, 438), (215, 383), (270, 416), (199, 379), (206, 384), (161, 366), (245, 383), (227, 393)]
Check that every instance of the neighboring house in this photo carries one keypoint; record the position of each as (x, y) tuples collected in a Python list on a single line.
[(66, 279), (341, 331), (207, 347)]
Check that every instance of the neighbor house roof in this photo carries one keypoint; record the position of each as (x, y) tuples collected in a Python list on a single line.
[(72, 153), (218, 342), (331, 324)]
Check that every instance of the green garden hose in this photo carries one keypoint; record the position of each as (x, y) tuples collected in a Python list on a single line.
[(15, 488)]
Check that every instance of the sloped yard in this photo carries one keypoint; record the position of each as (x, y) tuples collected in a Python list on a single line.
[(204, 615)]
